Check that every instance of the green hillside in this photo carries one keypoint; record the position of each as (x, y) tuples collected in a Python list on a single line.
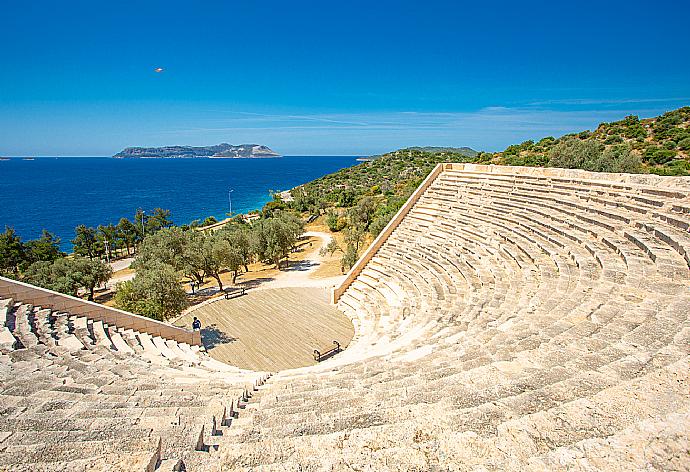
[(661, 144), (360, 200)]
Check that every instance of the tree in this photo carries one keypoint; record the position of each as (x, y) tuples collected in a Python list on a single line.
[(69, 275), (349, 257), (361, 214), (239, 238), (574, 153), (303, 200), (127, 233), (333, 221), (354, 235), (140, 224), (158, 220), (273, 238), (216, 255), (45, 248), (175, 247), (155, 292), (48, 275), (380, 222), (618, 159), (89, 273), (108, 237), (11, 252), (86, 242), (330, 248)]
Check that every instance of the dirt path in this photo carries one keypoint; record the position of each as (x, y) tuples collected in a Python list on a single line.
[(300, 274)]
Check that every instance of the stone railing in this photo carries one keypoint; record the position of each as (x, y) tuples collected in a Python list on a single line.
[(37, 296), (385, 233)]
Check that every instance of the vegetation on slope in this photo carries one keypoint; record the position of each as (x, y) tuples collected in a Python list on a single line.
[(360, 200), (658, 145)]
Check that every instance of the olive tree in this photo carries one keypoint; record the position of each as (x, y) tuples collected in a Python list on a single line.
[(69, 275), (574, 153), (154, 292)]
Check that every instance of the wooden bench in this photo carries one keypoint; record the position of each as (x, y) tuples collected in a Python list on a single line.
[(319, 356), (234, 291)]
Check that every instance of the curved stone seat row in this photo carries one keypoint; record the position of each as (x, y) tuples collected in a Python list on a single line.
[(77, 394), (509, 322), (515, 319)]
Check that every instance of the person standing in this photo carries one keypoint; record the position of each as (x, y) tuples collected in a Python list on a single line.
[(196, 324)]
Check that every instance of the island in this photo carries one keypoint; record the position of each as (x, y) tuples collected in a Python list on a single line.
[(223, 150)]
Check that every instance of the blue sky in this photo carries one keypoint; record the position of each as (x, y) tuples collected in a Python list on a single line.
[(321, 77)]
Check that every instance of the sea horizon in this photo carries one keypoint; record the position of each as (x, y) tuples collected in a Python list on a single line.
[(62, 192), (173, 158)]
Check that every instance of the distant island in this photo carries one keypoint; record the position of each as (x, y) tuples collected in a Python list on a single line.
[(223, 150)]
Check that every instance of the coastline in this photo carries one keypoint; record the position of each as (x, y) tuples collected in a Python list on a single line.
[(70, 191)]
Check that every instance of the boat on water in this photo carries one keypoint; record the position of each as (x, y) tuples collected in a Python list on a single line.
[(28, 159), (4, 158)]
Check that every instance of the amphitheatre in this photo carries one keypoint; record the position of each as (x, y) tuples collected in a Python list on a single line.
[(507, 318)]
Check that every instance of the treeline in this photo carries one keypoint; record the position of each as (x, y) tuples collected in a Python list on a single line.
[(40, 262), (110, 241), (174, 255), (166, 257)]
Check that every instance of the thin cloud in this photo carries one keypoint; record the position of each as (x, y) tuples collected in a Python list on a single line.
[(492, 128), (599, 101)]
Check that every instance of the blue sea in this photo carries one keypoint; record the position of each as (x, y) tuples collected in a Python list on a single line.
[(60, 193)]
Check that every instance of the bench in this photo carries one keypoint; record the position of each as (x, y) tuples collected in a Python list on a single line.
[(234, 291), (319, 356)]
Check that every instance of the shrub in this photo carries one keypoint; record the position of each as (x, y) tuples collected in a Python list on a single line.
[(617, 159), (676, 167), (334, 222), (684, 144), (573, 153), (658, 155), (210, 220), (613, 139)]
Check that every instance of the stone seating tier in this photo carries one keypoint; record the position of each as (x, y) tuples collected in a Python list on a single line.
[(78, 394), (544, 311), (507, 319)]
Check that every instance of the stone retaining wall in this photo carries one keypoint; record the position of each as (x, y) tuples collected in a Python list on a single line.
[(383, 236), (37, 296)]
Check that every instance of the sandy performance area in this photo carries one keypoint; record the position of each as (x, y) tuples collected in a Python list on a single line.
[(271, 329)]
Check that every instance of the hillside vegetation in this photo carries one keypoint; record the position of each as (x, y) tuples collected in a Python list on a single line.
[(658, 145), (360, 200)]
